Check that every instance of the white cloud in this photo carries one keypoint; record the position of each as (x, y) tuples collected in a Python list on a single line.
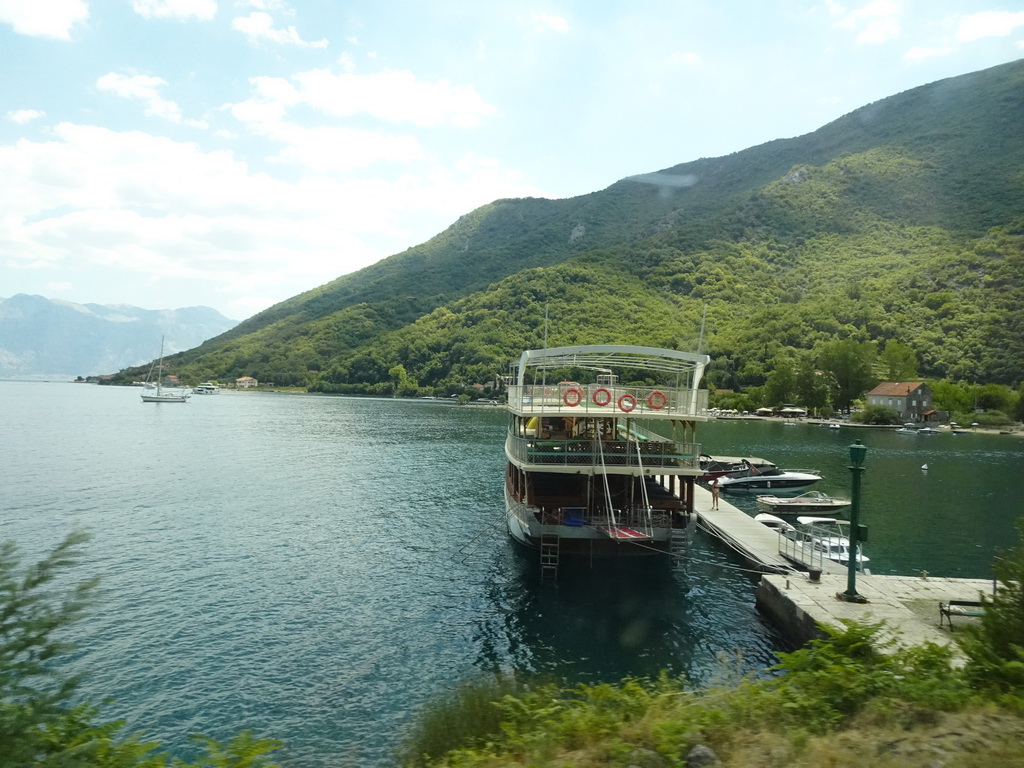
[(684, 58), (390, 96), (128, 205), (204, 10), (44, 18), (259, 26), (340, 150), (145, 88), (921, 54), (988, 24), (25, 116), (393, 96), (547, 22), (877, 22)]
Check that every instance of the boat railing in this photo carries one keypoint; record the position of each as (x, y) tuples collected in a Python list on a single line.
[(596, 400), (656, 454), (796, 546)]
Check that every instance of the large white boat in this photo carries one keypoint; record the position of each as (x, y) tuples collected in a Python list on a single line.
[(602, 450), (207, 388), (157, 394)]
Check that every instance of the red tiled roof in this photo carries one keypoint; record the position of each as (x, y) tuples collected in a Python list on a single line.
[(896, 388)]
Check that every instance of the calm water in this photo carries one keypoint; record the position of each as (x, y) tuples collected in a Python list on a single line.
[(317, 568), (948, 520)]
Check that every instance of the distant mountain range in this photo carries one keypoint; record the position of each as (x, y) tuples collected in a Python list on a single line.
[(50, 338)]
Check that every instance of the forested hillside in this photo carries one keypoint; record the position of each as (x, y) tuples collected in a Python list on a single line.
[(893, 236)]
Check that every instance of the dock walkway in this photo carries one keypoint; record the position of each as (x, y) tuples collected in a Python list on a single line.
[(757, 543), (909, 605)]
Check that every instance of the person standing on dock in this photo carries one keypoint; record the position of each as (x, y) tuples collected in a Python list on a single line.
[(714, 493)]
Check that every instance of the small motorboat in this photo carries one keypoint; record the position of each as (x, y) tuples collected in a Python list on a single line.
[(773, 522), (770, 478), (827, 536), (811, 501)]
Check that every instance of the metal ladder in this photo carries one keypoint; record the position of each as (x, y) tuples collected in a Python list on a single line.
[(549, 544), (678, 544)]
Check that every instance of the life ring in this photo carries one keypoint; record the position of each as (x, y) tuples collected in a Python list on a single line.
[(627, 403), (601, 397), (572, 397), (657, 400)]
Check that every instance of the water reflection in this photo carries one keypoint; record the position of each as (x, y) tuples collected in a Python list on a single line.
[(612, 619)]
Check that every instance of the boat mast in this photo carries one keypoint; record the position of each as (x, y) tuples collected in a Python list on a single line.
[(160, 369)]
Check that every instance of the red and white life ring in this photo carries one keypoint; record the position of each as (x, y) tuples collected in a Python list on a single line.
[(627, 403), (657, 400), (601, 397), (572, 397)]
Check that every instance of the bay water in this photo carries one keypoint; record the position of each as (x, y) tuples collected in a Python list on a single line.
[(317, 569)]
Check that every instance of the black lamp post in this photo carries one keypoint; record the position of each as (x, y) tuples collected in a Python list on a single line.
[(857, 454)]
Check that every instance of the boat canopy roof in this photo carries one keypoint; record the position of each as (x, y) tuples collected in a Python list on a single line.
[(606, 357)]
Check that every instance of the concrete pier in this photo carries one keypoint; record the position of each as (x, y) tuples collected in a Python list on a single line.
[(796, 604), (909, 605)]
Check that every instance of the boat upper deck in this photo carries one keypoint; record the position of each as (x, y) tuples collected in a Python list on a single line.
[(616, 383)]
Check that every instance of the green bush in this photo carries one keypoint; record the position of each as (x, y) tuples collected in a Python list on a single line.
[(878, 415)]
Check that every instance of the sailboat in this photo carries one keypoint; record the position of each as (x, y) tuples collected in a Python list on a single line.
[(171, 396)]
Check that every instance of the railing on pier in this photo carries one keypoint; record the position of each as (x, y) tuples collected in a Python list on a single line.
[(595, 400), (652, 454)]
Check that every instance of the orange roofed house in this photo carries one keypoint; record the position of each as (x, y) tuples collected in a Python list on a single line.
[(911, 399)]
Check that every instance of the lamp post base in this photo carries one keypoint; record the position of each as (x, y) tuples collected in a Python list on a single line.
[(851, 598)]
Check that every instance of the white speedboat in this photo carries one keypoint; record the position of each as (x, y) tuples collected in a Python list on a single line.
[(771, 478), (587, 473), (775, 523), (828, 537), (207, 388), (811, 501)]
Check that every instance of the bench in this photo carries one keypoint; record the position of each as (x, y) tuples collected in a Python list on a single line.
[(959, 608)]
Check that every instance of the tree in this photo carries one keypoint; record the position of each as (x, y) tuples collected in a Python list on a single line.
[(995, 647), (814, 387), (39, 725), (898, 361), (851, 363), (780, 387)]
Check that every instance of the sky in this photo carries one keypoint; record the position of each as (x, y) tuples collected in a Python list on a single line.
[(235, 153)]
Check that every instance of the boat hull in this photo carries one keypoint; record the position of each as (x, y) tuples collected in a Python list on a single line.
[(585, 539), (165, 398), (766, 483), (812, 501)]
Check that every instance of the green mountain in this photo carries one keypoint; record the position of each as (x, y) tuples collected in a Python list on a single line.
[(901, 223)]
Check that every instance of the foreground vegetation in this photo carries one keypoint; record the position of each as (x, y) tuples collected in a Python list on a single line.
[(853, 698)]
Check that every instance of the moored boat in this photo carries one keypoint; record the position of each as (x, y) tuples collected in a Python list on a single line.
[(729, 466), (771, 478), (828, 537), (159, 395), (207, 388), (773, 522), (811, 501), (597, 467)]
